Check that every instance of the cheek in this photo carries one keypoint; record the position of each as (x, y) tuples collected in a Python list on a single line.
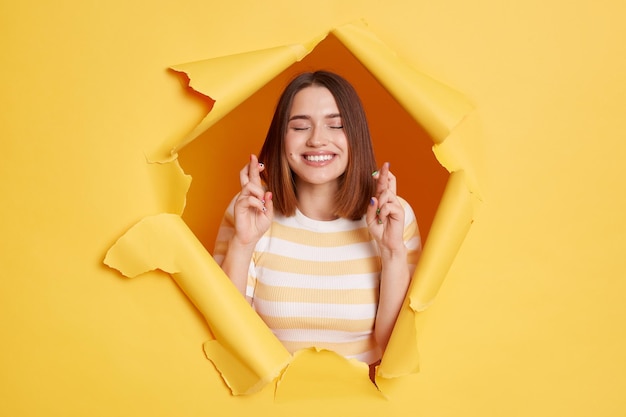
[(291, 156), (341, 141), (289, 145)]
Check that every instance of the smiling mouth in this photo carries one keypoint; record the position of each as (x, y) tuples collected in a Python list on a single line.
[(318, 158)]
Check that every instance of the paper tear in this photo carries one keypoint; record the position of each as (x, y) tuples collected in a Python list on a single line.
[(170, 184), (443, 112), (435, 106), (245, 351), (230, 80), (320, 374), (459, 152), (450, 226), (238, 374)]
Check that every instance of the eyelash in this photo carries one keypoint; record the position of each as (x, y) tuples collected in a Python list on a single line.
[(305, 128)]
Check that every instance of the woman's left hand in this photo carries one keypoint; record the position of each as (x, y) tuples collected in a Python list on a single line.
[(385, 215)]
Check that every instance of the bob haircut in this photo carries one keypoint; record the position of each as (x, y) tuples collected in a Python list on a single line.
[(356, 185)]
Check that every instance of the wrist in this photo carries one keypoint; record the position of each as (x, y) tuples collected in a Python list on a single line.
[(239, 245), (394, 254)]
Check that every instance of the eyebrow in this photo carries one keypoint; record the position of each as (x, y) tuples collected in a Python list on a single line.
[(305, 117)]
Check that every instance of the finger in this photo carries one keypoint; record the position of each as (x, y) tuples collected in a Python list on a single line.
[(254, 190), (371, 215), (385, 210), (254, 170), (389, 207), (244, 174), (269, 205), (388, 197), (391, 183), (382, 178), (245, 203)]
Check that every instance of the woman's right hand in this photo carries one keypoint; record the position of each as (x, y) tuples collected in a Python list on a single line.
[(253, 208)]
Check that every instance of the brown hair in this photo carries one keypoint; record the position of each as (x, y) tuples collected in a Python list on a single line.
[(356, 185)]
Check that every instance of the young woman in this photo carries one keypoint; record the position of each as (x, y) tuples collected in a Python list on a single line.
[(317, 239)]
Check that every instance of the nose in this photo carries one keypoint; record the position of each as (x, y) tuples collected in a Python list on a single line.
[(317, 138)]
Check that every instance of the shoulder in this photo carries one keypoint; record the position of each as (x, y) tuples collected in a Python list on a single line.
[(230, 209), (228, 219), (411, 225), (408, 210)]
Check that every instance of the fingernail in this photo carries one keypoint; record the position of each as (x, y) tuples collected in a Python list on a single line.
[(374, 173), (269, 196), (371, 201), (388, 164)]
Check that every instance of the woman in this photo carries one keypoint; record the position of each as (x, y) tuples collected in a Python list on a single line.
[(317, 240)]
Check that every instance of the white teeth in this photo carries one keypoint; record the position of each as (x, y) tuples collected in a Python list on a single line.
[(318, 158)]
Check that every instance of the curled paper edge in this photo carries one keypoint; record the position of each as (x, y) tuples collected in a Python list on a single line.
[(165, 242), (325, 374), (445, 114), (439, 109), (230, 80)]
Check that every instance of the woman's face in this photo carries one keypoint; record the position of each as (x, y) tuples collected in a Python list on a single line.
[(315, 143)]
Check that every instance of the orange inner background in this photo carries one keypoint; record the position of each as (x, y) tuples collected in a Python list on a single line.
[(214, 158)]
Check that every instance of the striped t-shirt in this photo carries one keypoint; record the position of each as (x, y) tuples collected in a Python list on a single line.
[(316, 283)]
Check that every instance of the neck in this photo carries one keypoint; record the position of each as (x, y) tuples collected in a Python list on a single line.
[(317, 201)]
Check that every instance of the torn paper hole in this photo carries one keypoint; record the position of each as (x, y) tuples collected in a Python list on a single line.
[(439, 109)]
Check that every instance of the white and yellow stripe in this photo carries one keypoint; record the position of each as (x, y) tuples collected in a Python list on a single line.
[(316, 283)]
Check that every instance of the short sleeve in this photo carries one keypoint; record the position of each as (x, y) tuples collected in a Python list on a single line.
[(411, 236), (225, 233)]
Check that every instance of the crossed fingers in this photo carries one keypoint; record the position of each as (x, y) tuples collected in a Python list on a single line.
[(251, 187), (385, 193), (385, 180)]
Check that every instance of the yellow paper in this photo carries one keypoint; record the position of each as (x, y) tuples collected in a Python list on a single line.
[(321, 374), (437, 107), (244, 351), (529, 318), (231, 79), (449, 229)]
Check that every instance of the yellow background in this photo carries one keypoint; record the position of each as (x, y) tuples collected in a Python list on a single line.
[(530, 319)]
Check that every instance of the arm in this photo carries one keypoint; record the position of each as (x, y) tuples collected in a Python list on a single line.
[(394, 283), (386, 221), (253, 212), (236, 263)]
